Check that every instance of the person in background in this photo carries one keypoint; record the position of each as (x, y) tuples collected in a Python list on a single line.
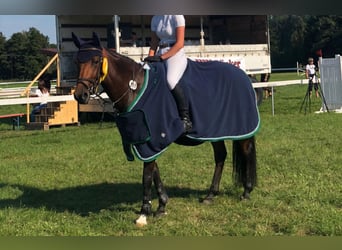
[(265, 77), (310, 73), (167, 45), (44, 86), (136, 41)]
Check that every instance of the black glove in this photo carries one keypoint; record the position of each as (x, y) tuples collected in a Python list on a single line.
[(153, 59)]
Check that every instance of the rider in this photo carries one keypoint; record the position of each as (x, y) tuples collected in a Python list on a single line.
[(167, 36)]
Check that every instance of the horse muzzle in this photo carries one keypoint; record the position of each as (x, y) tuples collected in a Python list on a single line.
[(81, 94)]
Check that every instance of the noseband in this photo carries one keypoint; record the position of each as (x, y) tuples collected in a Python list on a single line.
[(92, 88)]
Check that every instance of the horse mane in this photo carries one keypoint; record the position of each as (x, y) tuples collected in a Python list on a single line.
[(119, 56)]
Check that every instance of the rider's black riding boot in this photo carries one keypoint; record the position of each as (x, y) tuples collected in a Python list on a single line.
[(183, 107)]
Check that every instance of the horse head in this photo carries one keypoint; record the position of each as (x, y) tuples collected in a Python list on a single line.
[(92, 67)]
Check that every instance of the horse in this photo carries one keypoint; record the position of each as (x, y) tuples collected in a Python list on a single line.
[(123, 80)]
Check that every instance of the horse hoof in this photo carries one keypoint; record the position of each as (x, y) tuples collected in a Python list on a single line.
[(159, 214), (207, 201), (141, 221), (244, 197)]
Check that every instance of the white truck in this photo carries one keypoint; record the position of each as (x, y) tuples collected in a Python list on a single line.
[(242, 40)]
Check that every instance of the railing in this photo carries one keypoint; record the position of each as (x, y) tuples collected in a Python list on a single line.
[(278, 84), (59, 98), (28, 100), (299, 69), (12, 93), (17, 91)]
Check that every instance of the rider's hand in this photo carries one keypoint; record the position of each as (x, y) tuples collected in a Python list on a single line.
[(153, 59)]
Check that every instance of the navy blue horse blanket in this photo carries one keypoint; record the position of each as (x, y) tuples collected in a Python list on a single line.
[(222, 106)]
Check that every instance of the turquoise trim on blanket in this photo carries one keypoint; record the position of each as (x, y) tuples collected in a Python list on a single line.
[(141, 91), (133, 104), (131, 107), (238, 137), (155, 156), (148, 159), (230, 112)]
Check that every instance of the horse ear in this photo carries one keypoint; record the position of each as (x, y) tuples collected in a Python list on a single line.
[(76, 40), (96, 39)]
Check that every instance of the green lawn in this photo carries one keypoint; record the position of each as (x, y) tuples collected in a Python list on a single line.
[(76, 180)]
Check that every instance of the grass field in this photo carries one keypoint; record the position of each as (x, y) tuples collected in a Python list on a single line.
[(76, 180)]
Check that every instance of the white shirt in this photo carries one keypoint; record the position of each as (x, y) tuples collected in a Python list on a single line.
[(165, 27), (311, 68), (39, 93)]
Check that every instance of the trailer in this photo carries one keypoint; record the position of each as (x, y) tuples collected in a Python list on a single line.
[(242, 40)]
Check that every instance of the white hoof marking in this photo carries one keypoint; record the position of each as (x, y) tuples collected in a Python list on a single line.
[(141, 221)]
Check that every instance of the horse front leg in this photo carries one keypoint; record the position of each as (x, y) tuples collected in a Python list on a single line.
[(162, 196), (220, 154), (151, 174)]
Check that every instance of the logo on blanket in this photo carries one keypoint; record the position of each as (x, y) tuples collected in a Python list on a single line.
[(238, 62)]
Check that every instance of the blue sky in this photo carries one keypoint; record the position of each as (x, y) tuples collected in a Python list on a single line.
[(46, 24)]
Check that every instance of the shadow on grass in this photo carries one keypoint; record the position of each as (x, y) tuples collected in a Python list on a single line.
[(83, 200)]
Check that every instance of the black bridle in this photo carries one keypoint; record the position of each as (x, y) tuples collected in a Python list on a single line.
[(94, 83)]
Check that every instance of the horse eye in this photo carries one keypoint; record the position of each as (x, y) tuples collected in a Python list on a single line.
[(95, 62)]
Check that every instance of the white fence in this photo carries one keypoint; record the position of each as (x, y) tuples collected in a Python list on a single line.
[(331, 81), (278, 84), (25, 100), (16, 92), (12, 96)]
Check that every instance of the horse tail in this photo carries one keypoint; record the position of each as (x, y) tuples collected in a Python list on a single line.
[(244, 163)]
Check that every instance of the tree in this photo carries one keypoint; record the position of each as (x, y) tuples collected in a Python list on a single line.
[(324, 32), (24, 54), (295, 38), (15, 48), (35, 59), (4, 65), (287, 40)]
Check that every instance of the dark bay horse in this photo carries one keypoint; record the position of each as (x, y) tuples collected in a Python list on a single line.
[(123, 81)]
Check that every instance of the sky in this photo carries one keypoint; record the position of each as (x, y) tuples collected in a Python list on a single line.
[(10, 24)]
